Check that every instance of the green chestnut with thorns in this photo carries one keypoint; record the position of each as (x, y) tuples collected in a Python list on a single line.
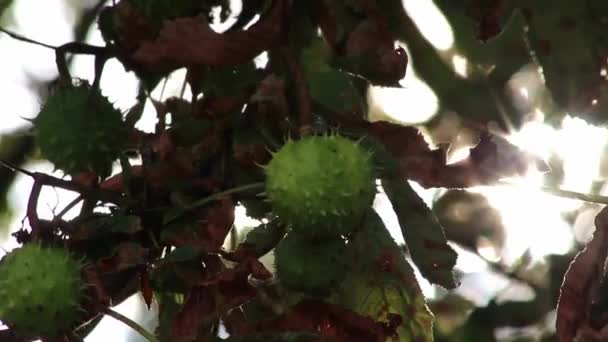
[(79, 130), (321, 186), (40, 290), (313, 267)]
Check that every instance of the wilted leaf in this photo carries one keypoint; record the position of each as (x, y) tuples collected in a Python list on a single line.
[(583, 291), (168, 308), (145, 288), (232, 286), (125, 255), (198, 305), (274, 337), (217, 224), (206, 228), (170, 276), (183, 253), (382, 284), (332, 322), (423, 234), (191, 42)]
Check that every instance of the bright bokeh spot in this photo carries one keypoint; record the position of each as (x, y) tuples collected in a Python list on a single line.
[(431, 22), (413, 104), (460, 65)]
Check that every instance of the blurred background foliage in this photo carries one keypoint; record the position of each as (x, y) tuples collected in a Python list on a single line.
[(505, 64)]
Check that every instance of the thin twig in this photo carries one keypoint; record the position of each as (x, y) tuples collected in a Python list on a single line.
[(32, 208), (86, 192), (302, 92), (16, 168), (132, 324), (67, 208), (22, 38), (182, 211), (566, 193)]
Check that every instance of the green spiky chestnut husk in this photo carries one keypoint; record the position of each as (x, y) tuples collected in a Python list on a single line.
[(40, 290), (309, 266), (79, 130), (320, 186)]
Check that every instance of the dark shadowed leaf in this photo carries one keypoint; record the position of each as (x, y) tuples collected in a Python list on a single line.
[(168, 308), (261, 239), (191, 41), (507, 43), (423, 234), (125, 255), (99, 225), (569, 40), (226, 80), (274, 337)]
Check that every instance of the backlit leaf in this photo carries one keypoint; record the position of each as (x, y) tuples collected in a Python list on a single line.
[(423, 234), (382, 284)]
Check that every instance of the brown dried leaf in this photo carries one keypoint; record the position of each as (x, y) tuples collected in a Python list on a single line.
[(217, 224), (492, 159), (191, 42), (328, 320), (125, 255), (581, 288), (199, 304), (146, 288)]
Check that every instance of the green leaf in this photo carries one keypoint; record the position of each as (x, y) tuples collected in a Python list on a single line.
[(382, 284), (4, 4), (335, 90), (423, 234), (329, 87), (183, 253), (265, 237)]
